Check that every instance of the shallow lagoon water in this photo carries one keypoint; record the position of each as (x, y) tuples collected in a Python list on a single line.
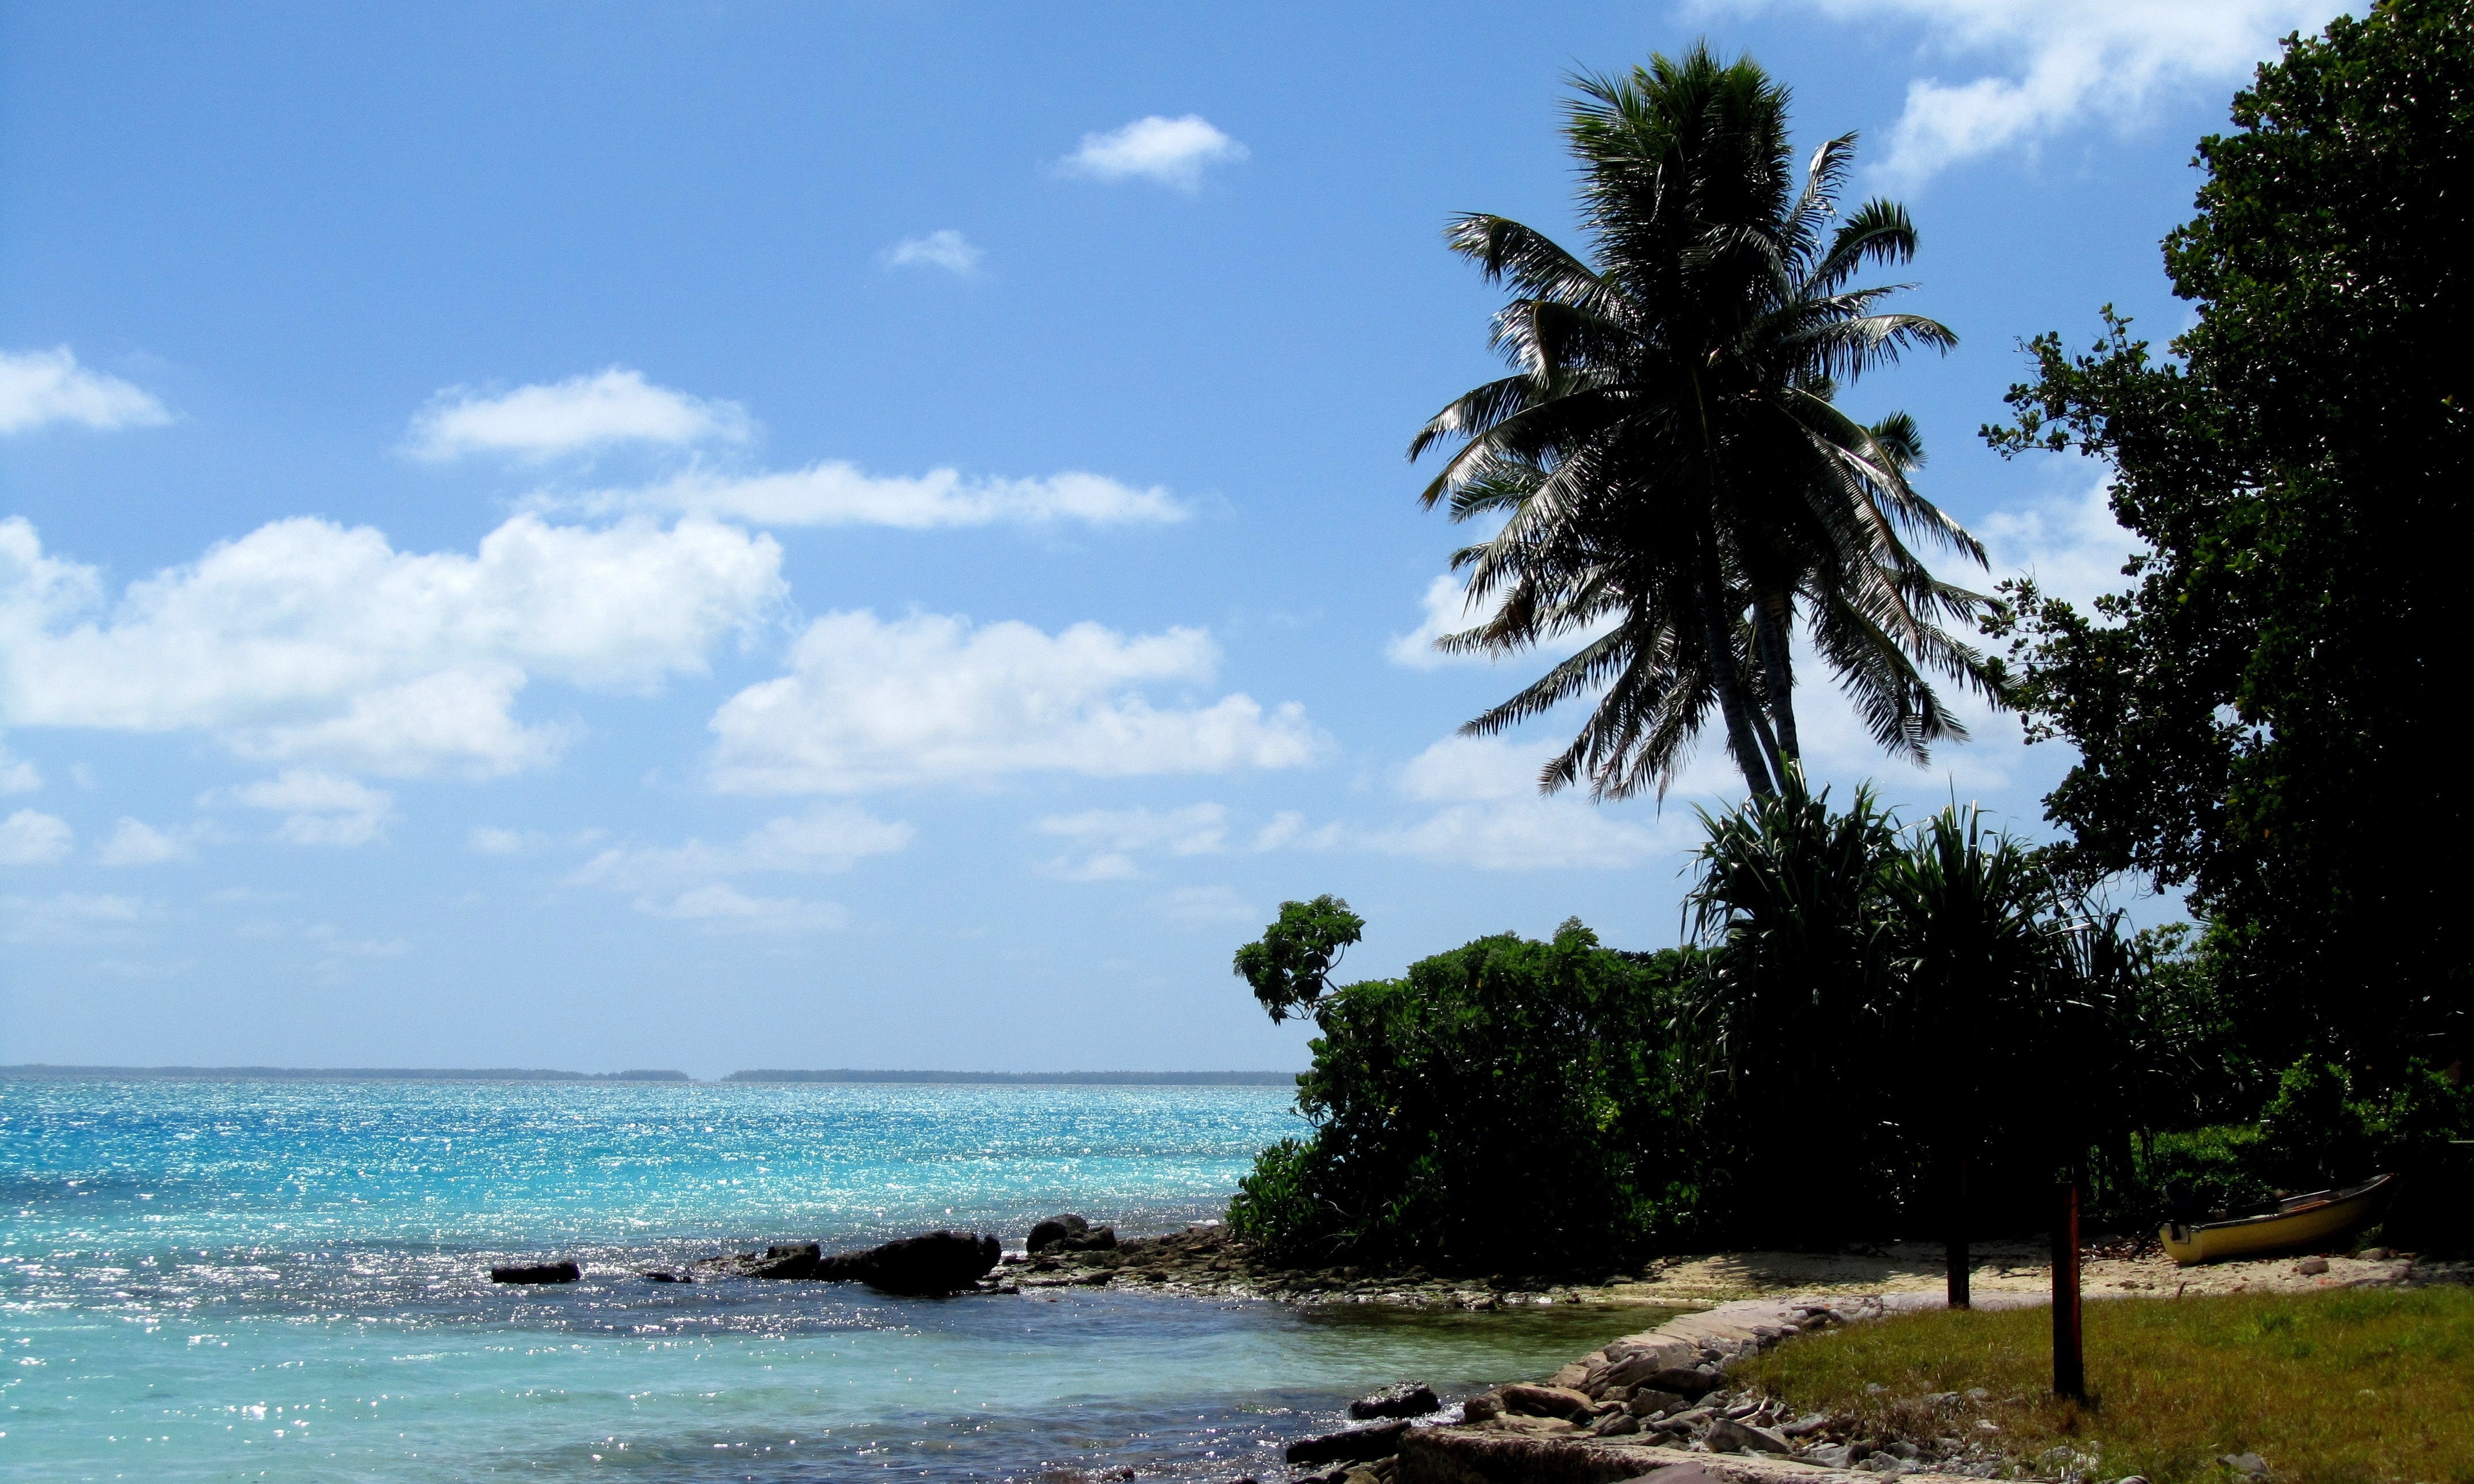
[(287, 1281)]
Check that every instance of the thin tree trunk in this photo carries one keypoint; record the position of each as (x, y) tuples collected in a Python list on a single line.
[(1773, 630), (1734, 703)]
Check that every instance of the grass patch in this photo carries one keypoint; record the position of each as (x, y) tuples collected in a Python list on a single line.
[(2348, 1387)]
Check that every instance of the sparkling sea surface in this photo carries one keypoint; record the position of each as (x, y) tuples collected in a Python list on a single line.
[(289, 1281)]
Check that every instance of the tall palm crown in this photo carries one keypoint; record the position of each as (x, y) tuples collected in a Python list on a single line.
[(1673, 471)]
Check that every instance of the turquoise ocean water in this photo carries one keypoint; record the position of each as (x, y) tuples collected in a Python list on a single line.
[(287, 1281)]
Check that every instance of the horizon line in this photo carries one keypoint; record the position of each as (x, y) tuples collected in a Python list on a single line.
[(44, 1071)]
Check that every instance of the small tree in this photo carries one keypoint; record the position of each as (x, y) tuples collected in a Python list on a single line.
[(1289, 967)]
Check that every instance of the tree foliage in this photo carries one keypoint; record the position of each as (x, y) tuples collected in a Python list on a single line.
[(1289, 967), (2265, 716), (1863, 1006)]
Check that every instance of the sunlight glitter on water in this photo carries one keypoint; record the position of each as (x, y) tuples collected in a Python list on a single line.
[(289, 1281)]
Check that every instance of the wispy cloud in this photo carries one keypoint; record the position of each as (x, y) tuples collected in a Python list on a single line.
[(1106, 841), (318, 808), (1174, 152), (945, 249), (835, 493), (38, 388), (134, 842), (582, 413)]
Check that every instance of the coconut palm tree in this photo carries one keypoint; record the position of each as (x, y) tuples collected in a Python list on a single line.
[(1675, 478)]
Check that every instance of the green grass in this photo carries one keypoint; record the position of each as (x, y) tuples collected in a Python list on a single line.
[(2345, 1387)]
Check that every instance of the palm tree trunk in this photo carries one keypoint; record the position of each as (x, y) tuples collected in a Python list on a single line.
[(1735, 698), (1773, 628)]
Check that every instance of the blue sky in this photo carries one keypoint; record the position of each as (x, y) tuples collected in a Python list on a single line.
[(745, 534)]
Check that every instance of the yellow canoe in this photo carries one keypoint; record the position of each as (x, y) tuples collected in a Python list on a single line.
[(2299, 1221)]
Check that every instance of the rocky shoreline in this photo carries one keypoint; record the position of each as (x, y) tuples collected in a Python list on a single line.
[(1655, 1405)]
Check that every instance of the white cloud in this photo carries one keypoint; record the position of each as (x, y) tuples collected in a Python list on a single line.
[(41, 387), (545, 419), (2061, 63), (31, 839), (68, 916), (830, 838), (489, 840), (723, 908), (17, 776), (835, 493), (870, 703), (134, 842), (2071, 546), (318, 808), (1107, 840), (946, 248), (1172, 151), (1445, 610), (304, 642)]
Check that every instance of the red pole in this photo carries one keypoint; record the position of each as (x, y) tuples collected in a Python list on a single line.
[(2070, 1370)]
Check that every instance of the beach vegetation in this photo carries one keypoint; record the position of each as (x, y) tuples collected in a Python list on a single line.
[(2349, 1386)]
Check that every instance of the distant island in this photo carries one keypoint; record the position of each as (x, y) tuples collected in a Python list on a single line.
[(1036, 1079), (38, 1071)]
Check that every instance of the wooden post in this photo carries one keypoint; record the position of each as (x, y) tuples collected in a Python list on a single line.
[(1958, 1237), (2070, 1370)]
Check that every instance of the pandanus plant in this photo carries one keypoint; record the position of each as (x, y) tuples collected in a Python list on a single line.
[(1677, 482)]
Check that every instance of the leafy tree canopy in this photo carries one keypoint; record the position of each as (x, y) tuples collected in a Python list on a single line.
[(2268, 713), (1289, 967)]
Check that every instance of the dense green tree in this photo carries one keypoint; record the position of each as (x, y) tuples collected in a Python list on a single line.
[(2265, 716), (1668, 458)]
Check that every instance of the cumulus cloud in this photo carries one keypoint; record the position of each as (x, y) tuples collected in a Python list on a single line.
[(134, 842), (38, 388), (545, 419), (835, 493), (28, 838), (2059, 65), (1106, 841), (308, 642), (871, 704), (2070, 545), (1172, 151), (318, 808), (947, 248)]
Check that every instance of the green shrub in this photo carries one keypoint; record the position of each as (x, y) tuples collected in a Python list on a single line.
[(1507, 1105)]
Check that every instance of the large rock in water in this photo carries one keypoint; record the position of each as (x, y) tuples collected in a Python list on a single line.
[(1067, 1231), (538, 1272), (1408, 1398), (936, 1262)]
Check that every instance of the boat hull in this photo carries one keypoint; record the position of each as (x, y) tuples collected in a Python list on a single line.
[(2306, 1222)]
